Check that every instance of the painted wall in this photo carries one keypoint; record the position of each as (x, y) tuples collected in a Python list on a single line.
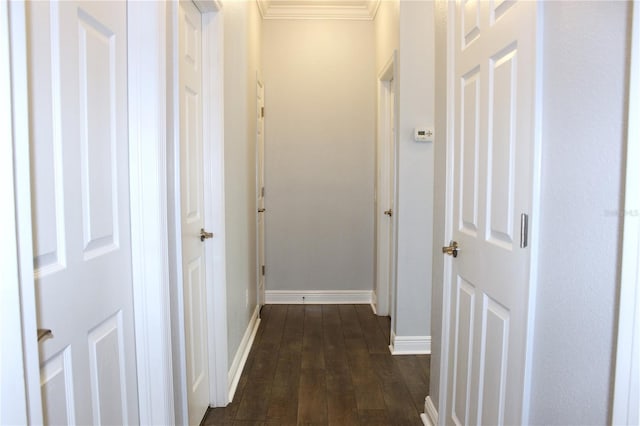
[(241, 63), (439, 188), (584, 114), (319, 154), (415, 171), (583, 134)]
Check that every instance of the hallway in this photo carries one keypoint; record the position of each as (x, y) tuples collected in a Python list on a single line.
[(326, 365)]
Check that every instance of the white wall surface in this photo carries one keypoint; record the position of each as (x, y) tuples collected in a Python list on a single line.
[(319, 80), (415, 171), (241, 63), (585, 81)]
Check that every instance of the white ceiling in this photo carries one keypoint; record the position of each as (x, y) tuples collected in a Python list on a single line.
[(318, 9)]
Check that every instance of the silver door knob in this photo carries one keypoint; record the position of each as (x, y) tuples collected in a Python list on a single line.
[(204, 234), (388, 212), (451, 249)]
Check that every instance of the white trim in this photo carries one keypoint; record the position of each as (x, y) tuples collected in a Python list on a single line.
[(240, 359), (19, 361), (386, 237), (448, 215), (148, 191), (626, 394), (213, 58), (366, 10), (430, 415), (410, 345), (292, 297)]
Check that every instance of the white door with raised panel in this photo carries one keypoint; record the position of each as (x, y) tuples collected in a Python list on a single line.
[(77, 54), (386, 195), (493, 125), (260, 190), (194, 238)]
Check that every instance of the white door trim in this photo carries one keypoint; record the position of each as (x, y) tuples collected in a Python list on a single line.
[(448, 216), (19, 353), (148, 192), (384, 284), (213, 137), (626, 408), (214, 220)]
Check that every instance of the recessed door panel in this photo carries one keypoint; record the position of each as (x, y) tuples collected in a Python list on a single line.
[(56, 382), (502, 147), (47, 198), (464, 329), (98, 134), (469, 150)]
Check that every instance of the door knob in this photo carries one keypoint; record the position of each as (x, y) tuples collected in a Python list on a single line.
[(451, 249), (204, 234), (262, 210), (388, 212)]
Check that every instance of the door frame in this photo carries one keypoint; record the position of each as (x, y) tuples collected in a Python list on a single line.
[(536, 169), (260, 295), (384, 300), (214, 219), (625, 407)]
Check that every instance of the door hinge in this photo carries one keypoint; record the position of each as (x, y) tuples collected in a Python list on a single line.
[(524, 230), (262, 192), (262, 112), (263, 270)]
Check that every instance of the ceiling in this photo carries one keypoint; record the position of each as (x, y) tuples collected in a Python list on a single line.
[(318, 9)]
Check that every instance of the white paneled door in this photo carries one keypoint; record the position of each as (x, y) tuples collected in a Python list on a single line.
[(261, 191), (493, 124), (80, 197), (194, 237)]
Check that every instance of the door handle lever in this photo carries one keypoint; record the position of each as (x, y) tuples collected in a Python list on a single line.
[(43, 333), (204, 234), (262, 210), (388, 212), (451, 249)]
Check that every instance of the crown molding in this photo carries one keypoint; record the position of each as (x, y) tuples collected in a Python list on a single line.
[(361, 10)]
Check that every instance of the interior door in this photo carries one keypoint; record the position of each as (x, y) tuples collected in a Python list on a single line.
[(261, 191), (77, 54), (386, 194), (194, 236), (494, 84)]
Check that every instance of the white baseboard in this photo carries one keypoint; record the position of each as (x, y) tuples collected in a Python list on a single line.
[(430, 415), (410, 345), (275, 297), (242, 353)]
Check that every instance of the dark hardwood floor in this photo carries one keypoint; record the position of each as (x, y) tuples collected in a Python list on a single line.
[(325, 365)]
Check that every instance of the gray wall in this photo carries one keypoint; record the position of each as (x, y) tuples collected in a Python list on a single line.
[(414, 171), (319, 154), (585, 80), (241, 63)]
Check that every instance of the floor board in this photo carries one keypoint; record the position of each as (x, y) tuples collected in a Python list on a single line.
[(325, 365)]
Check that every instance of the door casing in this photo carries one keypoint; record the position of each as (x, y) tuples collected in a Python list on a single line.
[(386, 241)]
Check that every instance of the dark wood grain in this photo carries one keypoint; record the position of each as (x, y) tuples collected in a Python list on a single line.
[(325, 365)]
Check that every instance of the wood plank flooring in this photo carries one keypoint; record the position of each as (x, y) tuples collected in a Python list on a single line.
[(325, 365)]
